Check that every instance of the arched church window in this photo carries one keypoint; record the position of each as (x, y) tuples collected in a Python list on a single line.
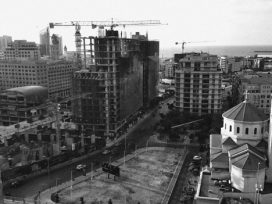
[(238, 130), (246, 131), (255, 131), (230, 128)]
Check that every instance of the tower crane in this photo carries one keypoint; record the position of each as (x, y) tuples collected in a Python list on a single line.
[(100, 24), (183, 43)]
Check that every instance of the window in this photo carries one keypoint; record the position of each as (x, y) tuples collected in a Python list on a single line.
[(246, 131), (238, 130), (255, 131), (230, 128), (262, 130)]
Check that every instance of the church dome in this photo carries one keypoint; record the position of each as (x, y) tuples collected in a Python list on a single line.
[(245, 112)]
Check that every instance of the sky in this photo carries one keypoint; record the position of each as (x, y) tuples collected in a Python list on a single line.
[(217, 22)]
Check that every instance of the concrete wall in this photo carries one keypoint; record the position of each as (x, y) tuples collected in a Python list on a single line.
[(251, 180), (237, 178), (131, 85), (250, 138)]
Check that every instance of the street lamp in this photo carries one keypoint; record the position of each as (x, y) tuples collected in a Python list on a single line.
[(71, 187), (146, 145), (48, 169), (258, 187), (57, 179)]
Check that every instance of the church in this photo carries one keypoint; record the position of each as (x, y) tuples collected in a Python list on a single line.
[(242, 152)]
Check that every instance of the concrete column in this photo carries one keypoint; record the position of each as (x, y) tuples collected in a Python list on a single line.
[(5, 141), (52, 138), (1, 190), (26, 137), (39, 135)]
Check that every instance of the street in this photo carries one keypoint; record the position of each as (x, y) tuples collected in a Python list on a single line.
[(138, 137)]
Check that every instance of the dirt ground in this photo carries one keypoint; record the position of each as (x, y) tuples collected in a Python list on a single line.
[(143, 180)]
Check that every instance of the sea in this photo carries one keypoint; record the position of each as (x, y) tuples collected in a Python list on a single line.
[(219, 50)]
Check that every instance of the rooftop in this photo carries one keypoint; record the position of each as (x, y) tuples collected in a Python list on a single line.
[(249, 161), (258, 79), (245, 112), (221, 157), (229, 142), (245, 148)]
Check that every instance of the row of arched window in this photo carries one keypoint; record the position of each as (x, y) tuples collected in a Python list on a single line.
[(246, 130)]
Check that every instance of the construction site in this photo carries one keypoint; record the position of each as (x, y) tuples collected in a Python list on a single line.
[(118, 76), (144, 178)]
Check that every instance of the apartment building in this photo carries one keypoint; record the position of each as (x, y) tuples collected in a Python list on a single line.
[(55, 75), (198, 84), (22, 50)]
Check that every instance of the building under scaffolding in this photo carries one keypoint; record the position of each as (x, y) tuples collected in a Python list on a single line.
[(118, 77)]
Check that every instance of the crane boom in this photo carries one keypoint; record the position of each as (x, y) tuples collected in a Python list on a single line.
[(183, 43), (111, 24), (100, 24)]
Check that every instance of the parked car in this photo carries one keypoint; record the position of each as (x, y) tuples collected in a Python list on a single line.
[(197, 158), (106, 152), (225, 189), (15, 184), (196, 171), (81, 167)]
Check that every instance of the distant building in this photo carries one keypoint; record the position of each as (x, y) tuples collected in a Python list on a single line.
[(232, 64), (45, 42), (224, 64), (4, 40), (22, 50), (50, 46), (168, 68), (2, 55), (198, 84), (236, 64), (56, 47), (22, 103), (56, 75), (259, 88)]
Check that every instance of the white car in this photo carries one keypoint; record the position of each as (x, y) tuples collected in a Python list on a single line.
[(197, 158), (80, 166), (106, 152)]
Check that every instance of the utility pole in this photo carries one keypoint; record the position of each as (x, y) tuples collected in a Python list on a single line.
[(71, 188)]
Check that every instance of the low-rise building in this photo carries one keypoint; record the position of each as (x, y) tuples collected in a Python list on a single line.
[(238, 154), (22, 103)]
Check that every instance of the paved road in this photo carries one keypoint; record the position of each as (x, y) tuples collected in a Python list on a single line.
[(136, 138)]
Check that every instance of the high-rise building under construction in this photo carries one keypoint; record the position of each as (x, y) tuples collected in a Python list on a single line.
[(118, 77)]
